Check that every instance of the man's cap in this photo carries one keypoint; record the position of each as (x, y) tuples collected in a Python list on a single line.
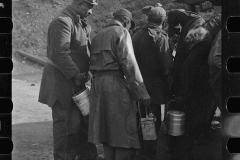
[(125, 12), (158, 5), (205, 6), (156, 14), (93, 2)]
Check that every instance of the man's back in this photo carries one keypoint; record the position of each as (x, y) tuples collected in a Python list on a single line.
[(103, 48)]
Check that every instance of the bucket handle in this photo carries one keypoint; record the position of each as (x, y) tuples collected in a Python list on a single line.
[(172, 100)]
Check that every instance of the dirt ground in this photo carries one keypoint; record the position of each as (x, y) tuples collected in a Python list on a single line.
[(31, 121)]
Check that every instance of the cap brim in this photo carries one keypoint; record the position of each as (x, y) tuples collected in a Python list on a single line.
[(132, 24), (205, 9), (92, 3)]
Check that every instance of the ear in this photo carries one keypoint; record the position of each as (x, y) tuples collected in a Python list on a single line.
[(79, 4)]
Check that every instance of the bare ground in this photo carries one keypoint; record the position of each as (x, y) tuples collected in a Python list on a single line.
[(31, 121)]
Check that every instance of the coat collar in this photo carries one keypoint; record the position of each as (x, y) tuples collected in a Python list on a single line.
[(68, 11), (114, 23), (153, 27)]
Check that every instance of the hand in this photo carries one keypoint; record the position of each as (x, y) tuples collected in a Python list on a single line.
[(145, 102), (88, 76), (80, 78)]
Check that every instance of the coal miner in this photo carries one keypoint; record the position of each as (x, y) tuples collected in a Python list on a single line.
[(206, 10), (155, 62), (116, 86), (190, 77), (214, 62), (65, 74)]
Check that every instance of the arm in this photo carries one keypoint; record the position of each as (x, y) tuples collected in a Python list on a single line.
[(166, 60), (197, 54), (165, 55), (130, 67), (218, 52), (60, 39)]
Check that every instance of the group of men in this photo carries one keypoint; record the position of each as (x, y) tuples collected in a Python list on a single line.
[(124, 71)]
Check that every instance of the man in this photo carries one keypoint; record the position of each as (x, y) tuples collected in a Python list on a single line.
[(206, 10), (66, 74), (190, 77), (116, 86), (214, 62), (155, 62)]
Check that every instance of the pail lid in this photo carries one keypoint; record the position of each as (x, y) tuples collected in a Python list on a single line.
[(82, 93), (175, 113)]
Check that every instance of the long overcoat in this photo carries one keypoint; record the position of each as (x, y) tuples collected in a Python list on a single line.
[(116, 85), (190, 71), (68, 54), (154, 58)]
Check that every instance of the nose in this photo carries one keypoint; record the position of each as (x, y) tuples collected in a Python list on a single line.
[(89, 12)]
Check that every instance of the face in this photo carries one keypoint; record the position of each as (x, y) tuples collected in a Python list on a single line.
[(207, 14), (128, 25), (84, 9)]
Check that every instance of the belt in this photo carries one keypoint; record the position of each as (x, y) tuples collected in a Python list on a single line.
[(113, 73)]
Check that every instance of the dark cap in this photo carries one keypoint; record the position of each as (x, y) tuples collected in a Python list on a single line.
[(125, 12), (205, 6), (93, 2)]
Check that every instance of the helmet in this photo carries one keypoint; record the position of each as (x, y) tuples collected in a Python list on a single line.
[(93, 2)]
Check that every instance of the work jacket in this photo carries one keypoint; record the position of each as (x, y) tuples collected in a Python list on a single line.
[(190, 72), (68, 54), (116, 86), (154, 58)]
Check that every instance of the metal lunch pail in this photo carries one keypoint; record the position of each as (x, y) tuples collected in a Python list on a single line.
[(82, 101), (175, 122)]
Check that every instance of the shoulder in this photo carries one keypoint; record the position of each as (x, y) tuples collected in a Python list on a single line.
[(62, 20)]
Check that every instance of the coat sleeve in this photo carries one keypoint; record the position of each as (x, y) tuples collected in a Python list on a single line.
[(217, 52), (192, 64), (165, 55), (130, 67), (60, 39), (197, 54)]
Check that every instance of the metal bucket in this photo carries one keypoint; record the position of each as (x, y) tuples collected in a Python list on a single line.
[(175, 123), (82, 101)]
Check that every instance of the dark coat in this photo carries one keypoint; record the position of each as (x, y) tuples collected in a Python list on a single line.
[(154, 58), (214, 62), (68, 53), (112, 117), (190, 72)]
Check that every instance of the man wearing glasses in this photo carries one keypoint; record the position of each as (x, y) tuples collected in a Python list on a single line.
[(206, 10)]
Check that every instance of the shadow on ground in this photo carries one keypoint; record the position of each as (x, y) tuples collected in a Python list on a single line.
[(32, 141)]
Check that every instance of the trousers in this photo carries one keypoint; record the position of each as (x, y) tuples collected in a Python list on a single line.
[(118, 153), (70, 129)]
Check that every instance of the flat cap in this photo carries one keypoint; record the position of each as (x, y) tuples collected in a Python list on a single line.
[(205, 6), (155, 14), (93, 2), (125, 12)]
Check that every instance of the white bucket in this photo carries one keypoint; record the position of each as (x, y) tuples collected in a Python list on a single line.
[(82, 101)]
